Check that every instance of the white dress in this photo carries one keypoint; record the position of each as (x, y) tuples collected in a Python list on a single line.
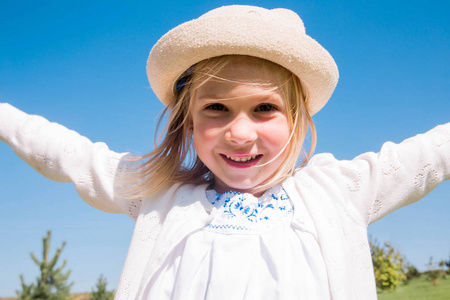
[(248, 251)]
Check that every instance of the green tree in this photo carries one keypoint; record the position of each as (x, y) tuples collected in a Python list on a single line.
[(388, 265), (411, 272), (101, 293), (447, 264), (435, 271), (52, 283)]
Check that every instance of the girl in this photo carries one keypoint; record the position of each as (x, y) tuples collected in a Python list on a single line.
[(221, 210)]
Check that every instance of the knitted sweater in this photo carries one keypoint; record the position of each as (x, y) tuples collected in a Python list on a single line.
[(334, 200)]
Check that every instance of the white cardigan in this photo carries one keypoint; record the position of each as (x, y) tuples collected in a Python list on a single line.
[(334, 200)]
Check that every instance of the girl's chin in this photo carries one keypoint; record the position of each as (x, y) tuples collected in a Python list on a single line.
[(222, 188)]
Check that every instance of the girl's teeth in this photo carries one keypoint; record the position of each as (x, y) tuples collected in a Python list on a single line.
[(241, 159)]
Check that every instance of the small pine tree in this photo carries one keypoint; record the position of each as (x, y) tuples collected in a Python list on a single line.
[(101, 293), (52, 282)]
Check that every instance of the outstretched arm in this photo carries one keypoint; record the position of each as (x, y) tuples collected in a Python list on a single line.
[(63, 155), (376, 184), (406, 172)]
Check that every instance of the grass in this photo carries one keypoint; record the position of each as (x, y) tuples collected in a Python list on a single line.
[(417, 289), (420, 289)]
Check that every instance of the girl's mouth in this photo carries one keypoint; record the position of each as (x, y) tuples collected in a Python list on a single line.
[(242, 161)]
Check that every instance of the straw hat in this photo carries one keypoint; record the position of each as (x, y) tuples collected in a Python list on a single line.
[(277, 35)]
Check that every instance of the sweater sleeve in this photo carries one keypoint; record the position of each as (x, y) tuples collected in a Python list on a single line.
[(376, 184), (65, 156)]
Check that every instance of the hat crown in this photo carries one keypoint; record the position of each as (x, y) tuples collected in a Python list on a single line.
[(282, 16)]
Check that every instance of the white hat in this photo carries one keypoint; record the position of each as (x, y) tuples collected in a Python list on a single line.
[(277, 35)]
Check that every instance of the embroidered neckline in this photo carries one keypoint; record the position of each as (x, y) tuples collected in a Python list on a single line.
[(238, 212)]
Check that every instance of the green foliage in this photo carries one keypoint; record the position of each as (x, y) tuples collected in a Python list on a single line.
[(101, 293), (411, 272), (51, 284), (447, 265), (388, 265), (442, 266), (435, 271)]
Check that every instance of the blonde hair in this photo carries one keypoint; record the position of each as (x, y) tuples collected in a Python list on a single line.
[(174, 158)]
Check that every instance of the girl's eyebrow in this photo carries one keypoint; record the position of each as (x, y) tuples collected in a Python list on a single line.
[(208, 98), (262, 95), (211, 99)]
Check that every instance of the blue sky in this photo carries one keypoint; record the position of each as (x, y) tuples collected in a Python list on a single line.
[(82, 64)]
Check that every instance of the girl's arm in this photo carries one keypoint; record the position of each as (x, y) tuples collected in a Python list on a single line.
[(63, 155), (400, 174)]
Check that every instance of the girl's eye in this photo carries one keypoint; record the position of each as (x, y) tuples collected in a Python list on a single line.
[(217, 107), (266, 107)]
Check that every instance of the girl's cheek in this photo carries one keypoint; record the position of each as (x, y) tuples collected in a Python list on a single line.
[(278, 128), (212, 133), (207, 129)]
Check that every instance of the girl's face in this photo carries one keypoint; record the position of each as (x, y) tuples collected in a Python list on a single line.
[(240, 128)]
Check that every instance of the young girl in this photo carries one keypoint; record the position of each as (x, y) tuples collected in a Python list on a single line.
[(221, 210)]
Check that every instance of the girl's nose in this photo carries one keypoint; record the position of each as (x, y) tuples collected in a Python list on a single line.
[(242, 130)]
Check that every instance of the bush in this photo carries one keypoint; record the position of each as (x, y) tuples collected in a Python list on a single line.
[(435, 271), (411, 272), (388, 266), (447, 265)]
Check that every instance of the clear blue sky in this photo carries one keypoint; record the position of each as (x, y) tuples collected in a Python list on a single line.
[(82, 64)]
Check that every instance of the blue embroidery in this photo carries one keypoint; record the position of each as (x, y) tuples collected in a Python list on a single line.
[(242, 211), (227, 227), (234, 207)]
